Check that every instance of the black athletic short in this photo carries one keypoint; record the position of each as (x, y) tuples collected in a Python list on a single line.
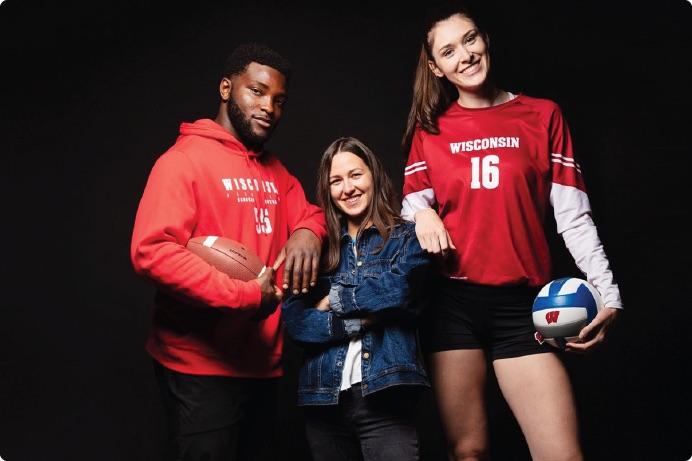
[(495, 319)]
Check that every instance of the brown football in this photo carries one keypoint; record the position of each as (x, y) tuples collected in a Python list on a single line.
[(230, 257)]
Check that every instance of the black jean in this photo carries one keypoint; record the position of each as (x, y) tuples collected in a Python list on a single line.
[(379, 427), (214, 418)]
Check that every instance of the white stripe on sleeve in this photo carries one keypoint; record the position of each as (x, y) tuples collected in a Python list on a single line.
[(414, 165), (566, 161), (420, 168), (573, 217), (416, 201)]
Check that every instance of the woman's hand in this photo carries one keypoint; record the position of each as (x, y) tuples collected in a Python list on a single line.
[(323, 305), (594, 333), (431, 232)]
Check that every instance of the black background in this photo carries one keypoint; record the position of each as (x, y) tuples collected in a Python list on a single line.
[(92, 93)]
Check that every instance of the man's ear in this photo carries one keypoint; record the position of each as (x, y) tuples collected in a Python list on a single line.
[(435, 70), (225, 88)]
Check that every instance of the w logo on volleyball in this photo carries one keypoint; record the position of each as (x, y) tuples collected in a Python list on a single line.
[(551, 317)]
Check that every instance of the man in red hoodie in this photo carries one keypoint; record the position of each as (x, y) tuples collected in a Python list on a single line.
[(217, 341)]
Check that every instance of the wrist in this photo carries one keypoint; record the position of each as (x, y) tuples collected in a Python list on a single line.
[(420, 213), (305, 229), (251, 294)]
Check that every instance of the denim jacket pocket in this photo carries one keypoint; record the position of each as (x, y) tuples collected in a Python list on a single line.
[(310, 373)]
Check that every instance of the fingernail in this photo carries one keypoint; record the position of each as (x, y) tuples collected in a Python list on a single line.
[(295, 292), (305, 290), (312, 284)]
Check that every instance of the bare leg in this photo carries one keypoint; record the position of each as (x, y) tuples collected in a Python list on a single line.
[(459, 378), (539, 393)]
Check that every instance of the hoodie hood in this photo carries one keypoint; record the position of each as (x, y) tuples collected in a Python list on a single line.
[(208, 128)]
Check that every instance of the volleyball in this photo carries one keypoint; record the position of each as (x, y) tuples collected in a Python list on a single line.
[(562, 308)]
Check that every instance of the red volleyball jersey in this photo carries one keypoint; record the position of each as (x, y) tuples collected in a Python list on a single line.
[(493, 172)]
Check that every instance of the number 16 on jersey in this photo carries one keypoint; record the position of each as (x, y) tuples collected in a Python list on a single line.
[(485, 172)]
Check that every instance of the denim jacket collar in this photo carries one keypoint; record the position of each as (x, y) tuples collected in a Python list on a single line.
[(395, 231)]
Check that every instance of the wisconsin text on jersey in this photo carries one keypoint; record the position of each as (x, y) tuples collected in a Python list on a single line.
[(484, 143), (242, 186), (248, 184)]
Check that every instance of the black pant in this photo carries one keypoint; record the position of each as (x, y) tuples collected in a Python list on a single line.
[(379, 427), (214, 418)]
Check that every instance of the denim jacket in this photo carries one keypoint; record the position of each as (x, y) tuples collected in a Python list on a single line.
[(384, 283)]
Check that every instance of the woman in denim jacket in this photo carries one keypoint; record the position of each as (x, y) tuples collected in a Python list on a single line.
[(361, 371)]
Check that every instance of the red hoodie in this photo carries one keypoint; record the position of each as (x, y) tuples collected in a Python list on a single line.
[(208, 183)]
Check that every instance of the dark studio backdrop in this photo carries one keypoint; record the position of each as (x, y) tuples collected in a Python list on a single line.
[(91, 94)]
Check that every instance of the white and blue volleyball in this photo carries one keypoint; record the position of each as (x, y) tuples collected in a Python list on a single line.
[(562, 308)]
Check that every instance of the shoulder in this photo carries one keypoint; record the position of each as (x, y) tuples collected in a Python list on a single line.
[(403, 229), (405, 234), (543, 106), (407, 227), (537, 103), (406, 248), (173, 159), (188, 150), (194, 144), (420, 134), (547, 111)]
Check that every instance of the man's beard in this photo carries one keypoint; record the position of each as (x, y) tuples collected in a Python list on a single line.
[(243, 127)]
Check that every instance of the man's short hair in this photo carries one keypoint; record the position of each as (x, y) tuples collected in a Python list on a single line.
[(244, 54)]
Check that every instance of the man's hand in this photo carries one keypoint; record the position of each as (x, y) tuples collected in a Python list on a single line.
[(431, 232), (271, 294), (594, 333), (302, 256)]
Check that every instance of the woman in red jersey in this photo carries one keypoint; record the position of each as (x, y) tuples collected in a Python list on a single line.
[(484, 167)]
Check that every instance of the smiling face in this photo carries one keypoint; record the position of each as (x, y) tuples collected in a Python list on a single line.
[(255, 100), (460, 53), (351, 188)]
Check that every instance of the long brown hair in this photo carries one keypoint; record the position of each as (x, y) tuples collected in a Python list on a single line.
[(383, 210), (432, 95)]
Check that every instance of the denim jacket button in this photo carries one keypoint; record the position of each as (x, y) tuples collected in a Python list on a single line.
[(366, 355), (360, 263), (338, 364), (353, 271)]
